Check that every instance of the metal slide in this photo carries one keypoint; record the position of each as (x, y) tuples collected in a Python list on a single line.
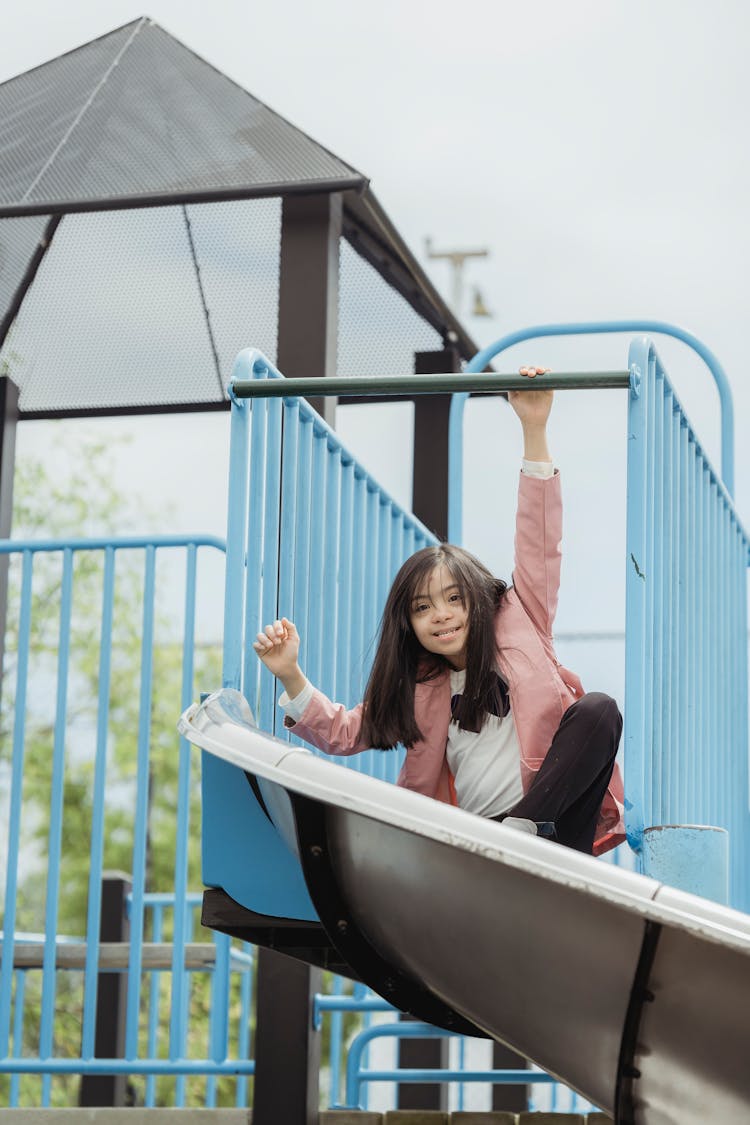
[(633, 993)]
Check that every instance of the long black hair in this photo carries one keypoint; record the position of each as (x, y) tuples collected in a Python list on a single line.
[(401, 662)]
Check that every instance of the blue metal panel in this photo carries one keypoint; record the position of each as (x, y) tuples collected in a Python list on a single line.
[(686, 642)]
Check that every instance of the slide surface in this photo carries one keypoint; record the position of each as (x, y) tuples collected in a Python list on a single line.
[(635, 994)]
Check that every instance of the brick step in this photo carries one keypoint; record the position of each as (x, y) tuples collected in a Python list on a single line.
[(327, 1117), (463, 1117)]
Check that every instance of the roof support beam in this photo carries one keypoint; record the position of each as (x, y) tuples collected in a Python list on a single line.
[(309, 290), (28, 278)]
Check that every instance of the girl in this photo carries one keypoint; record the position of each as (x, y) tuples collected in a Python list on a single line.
[(466, 678)]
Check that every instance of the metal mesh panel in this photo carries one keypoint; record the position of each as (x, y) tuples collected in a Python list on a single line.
[(117, 316), (379, 331)]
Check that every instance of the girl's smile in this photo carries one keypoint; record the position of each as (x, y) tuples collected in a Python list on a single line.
[(439, 617)]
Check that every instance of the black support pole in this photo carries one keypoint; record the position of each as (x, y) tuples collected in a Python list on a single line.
[(287, 1047), (431, 413), (308, 290), (513, 1099), (111, 1000), (423, 1054), (8, 423)]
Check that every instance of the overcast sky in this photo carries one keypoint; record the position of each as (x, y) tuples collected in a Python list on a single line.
[(598, 149)]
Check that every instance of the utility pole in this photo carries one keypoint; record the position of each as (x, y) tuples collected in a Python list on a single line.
[(458, 259)]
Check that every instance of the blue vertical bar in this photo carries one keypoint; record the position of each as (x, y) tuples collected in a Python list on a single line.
[(243, 1036), (700, 616), (335, 1044), (331, 531), (655, 569), (726, 757), (18, 1021), (668, 585), (269, 601), (344, 646), (681, 771), (57, 796), (300, 605), (236, 527), (368, 765), (289, 513), (316, 609), (91, 977), (694, 611), (178, 1014), (383, 586), (219, 1016), (140, 828), (359, 555), (157, 914), (183, 982), (635, 593), (14, 805), (270, 587), (254, 548)]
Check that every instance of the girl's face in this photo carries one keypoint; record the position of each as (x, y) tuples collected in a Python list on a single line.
[(439, 616)]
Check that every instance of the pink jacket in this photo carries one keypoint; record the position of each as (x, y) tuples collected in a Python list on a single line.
[(540, 688)]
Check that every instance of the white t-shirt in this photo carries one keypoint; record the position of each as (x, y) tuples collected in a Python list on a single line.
[(486, 764)]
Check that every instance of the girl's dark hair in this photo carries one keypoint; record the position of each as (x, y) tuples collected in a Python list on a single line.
[(401, 662)]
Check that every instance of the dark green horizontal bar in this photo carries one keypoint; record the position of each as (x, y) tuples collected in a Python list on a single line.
[(427, 384)]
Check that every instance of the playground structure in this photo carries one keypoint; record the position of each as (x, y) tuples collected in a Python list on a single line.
[(300, 507), (312, 248)]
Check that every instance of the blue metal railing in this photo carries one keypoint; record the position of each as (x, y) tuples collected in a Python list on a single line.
[(323, 542), (51, 643), (686, 723)]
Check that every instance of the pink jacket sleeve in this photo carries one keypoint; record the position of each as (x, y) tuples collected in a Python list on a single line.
[(329, 726), (536, 573)]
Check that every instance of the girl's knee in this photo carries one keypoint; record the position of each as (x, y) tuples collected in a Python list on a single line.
[(602, 707)]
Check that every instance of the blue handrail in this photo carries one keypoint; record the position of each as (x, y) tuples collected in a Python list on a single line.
[(582, 328)]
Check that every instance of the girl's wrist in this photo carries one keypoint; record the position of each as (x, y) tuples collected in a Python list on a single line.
[(535, 446), (294, 682)]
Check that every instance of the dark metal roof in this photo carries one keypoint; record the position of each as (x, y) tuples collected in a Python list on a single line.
[(136, 118), (116, 143)]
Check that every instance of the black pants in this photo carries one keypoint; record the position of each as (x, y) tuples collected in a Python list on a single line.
[(571, 783)]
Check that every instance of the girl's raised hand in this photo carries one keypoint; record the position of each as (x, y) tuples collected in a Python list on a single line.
[(278, 647), (532, 406)]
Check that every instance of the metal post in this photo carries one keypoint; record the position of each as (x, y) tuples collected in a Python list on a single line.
[(287, 1045), (8, 422), (423, 1054), (431, 414), (513, 1099), (111, 1001), (287, 1049), (308, 290)]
